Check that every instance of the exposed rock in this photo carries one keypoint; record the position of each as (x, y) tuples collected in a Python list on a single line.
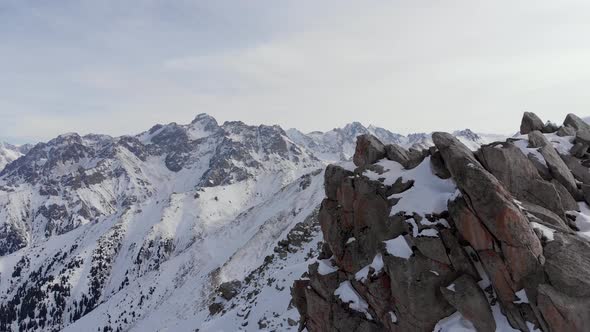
[(466, 296), (586, 193), (583, 136), (537, 139), (408, 159), (438, 166), (567, 264), (579, 149), (575, 122), (579, 171), (368, 150), (415, 287), (333, 177), (567, 200), (563, 312), (433, 248), (469, 226), (541, 166), (516, 172), (228, 290), (566, 131), (550, 127), (509, 219), (492, 204), (559, 170), (545, 216), (457, 255), (530, 121)]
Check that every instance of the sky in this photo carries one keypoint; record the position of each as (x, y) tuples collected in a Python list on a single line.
[(119, 67)]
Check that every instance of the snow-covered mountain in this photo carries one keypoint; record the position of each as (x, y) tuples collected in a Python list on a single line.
[(179, 228), (10, 153), (339, 143)]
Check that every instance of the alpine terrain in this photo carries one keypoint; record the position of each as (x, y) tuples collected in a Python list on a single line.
[(209, 227)]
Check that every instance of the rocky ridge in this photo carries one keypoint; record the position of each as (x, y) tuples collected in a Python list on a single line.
[(448, 238)]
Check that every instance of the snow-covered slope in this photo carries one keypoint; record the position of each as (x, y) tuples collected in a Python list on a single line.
[(10, 153), (179, 228)]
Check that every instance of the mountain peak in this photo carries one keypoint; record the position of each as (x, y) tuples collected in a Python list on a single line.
[(204, 117)]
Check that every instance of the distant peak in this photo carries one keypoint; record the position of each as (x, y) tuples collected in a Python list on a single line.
[(354, 124), (203, 117), (467, 133), (68, 135)]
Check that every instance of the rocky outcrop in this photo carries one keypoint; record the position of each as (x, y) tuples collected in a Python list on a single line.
[(530, 122), (368, 150), (574, 121), (507, 237), (466, 296)]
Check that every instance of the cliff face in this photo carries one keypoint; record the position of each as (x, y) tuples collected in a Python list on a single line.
[(447, 237)]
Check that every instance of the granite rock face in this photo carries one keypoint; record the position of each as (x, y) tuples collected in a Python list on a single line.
[(502, 238), (530, 122)]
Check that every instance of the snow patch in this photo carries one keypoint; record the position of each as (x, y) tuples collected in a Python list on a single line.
[(522, 298), (348, 294), (398, 247), (547, 232), (376, 265)]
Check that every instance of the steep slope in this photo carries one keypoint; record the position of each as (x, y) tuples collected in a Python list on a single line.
[(10, 153), (107, 224), (451, 239)]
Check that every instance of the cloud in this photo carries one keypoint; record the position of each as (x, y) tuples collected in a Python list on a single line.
[(408, 66)]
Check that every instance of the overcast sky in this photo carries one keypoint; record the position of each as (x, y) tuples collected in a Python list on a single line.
[(118, 67)]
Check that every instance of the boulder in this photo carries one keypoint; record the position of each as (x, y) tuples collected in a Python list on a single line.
[(559, 170), (228, 290), (546, 217), (567, 200), (579, 149), (562, 312), (537, 139), (541, 166), (465, 295), (566, 131), (519, 175), (530, 121), (550, 127), (408, 159), (567, 264), (579, 171), (369, 149), (583, 136), (572, 120), (433, 248)]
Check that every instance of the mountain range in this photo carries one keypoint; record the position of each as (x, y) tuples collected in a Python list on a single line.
[(196, 227)]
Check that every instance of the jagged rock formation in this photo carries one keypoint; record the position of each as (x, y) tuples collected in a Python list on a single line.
[(486, 240)]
